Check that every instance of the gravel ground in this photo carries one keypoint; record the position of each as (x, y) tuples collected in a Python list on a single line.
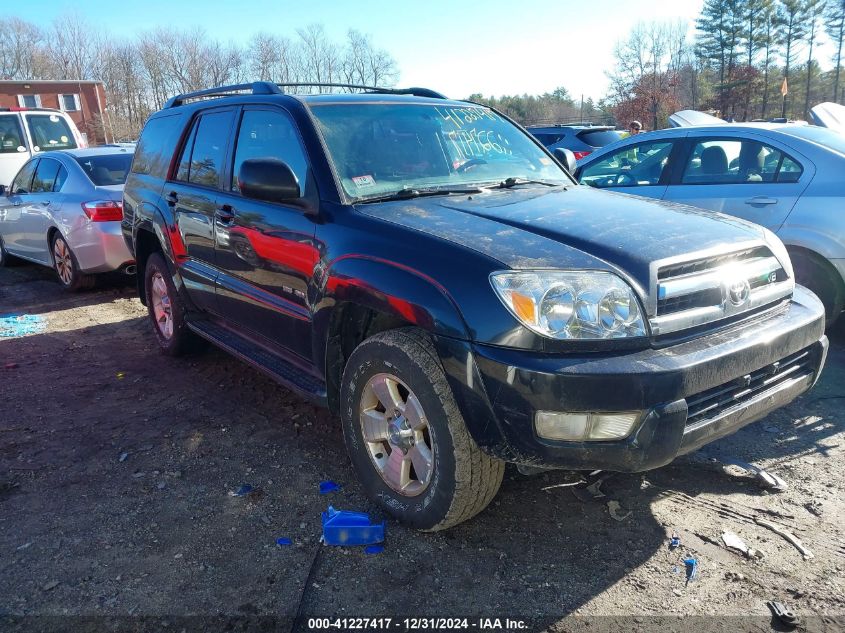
[(116, 463)]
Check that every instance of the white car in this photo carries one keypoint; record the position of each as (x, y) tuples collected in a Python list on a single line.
[(26, 131), (64, 210)]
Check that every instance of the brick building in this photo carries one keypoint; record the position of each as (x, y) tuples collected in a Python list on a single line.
[(84, 101)]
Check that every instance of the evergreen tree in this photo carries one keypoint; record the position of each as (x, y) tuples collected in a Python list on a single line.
[(791, 31), (834, 22), (813, 9), (769, 43)]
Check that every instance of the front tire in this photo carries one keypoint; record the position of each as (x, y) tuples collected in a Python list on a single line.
[(66, 266), (406, 437), (816, 274), (166, 308)]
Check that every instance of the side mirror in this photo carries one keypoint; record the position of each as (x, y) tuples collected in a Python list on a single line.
[(268, 179), (566, 158)]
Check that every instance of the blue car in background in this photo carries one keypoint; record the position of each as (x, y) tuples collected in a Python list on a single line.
[(785, 177)]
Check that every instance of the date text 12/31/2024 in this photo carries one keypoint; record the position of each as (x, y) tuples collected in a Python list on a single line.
[(416, 624)]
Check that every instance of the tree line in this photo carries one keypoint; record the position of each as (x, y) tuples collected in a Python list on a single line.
[(140, 74), (744, 55)]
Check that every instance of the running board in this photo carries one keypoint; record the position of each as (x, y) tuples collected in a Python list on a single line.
[(279, 369)]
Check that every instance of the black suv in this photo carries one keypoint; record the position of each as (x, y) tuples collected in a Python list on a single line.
[(427, 270), (581, 139)]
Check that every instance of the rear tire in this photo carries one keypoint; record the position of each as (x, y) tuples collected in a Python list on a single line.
[(449, 479), (66, 266), (166, 308), (819, 276), (5, 258)]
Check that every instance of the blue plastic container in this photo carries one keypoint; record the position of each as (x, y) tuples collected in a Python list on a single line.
[(341, 527)]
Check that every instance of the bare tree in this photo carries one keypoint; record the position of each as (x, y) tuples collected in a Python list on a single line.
[(319, 55), (363, 64)]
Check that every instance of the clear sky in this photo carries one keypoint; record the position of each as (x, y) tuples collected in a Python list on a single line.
[(492, 47)]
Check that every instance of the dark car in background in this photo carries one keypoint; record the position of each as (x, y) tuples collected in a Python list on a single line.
[(581, 139), (428, 272)]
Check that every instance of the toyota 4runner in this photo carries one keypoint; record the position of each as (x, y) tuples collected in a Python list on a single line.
[(427, 270)]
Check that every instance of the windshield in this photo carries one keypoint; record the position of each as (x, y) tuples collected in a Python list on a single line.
[(49, 131), (822, 136), (380, 149), (106, 169)]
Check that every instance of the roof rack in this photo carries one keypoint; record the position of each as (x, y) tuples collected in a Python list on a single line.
[(269, 88), (255, 88)]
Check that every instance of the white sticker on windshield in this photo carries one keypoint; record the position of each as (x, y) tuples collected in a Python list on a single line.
[(54, 118), (545, 161), (63, 138), (363, 181)]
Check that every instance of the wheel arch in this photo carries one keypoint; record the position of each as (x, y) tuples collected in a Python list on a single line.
[(362, 296)]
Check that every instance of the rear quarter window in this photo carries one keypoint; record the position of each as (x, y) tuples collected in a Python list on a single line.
[(155, 149)]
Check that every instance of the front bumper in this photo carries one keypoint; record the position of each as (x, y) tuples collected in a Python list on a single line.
[(691, 393), (99, 247)]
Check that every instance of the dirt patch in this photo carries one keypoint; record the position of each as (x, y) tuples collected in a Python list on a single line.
[(116, 463)]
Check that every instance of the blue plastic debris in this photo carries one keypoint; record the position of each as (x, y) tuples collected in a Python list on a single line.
[(283, 541), (328, 486), (675, 541), (692, 568), (374, 549), (242, 491), (341, 527), (15, 325)]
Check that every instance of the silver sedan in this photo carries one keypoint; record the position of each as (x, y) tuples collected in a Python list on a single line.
[(785, 177), (64, 209)]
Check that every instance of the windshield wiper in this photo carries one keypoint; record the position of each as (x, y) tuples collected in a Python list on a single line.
[(409, 192), (512, 181)]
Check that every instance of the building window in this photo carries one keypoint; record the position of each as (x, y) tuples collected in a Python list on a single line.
[(69, 103), (29, 101)]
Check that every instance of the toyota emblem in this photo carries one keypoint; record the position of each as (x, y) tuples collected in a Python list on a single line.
[(738, 292)]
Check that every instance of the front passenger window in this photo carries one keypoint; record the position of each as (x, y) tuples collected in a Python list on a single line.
[(635, 166), (269, 134)]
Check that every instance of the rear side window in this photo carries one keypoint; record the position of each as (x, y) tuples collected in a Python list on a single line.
[(547, 139), (11, 135), (45, 175), (155, 149), (599, 138), (203, 155), (49, 131), (738, 161), (23, 180), (105, 170), (268, 134)]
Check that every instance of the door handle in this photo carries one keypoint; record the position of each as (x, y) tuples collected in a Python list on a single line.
[(172, 198), (761, 200), (225, 214)]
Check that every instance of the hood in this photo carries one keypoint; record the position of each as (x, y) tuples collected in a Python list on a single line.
[(830, 115), (688, 118), (579, 227)]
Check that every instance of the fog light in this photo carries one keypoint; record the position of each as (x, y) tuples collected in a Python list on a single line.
[(579, 426)]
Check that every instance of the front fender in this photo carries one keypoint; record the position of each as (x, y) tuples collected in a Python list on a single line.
[(386, 287)]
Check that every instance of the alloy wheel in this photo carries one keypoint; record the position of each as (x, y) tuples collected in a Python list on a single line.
[(397, 434), (63, 260), (162, 308)]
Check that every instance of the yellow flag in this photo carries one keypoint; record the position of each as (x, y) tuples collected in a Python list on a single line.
[(784, 89)]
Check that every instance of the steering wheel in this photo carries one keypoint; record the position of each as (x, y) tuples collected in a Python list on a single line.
[(472, 162)]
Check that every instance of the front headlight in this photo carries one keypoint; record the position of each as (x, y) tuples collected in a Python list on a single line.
[(571, 305), (779, 251)]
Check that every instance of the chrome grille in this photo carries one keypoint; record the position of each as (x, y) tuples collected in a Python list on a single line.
[(700, 290)]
